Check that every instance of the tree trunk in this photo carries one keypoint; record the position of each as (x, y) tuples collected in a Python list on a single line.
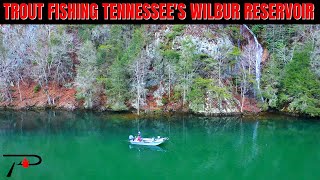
[(20, 96), (219, 73), (242, 100), (184, 90), (138, 100), (169, 83), (243, 87)]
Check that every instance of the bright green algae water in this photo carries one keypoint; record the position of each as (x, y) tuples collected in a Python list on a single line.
[(87, 145)]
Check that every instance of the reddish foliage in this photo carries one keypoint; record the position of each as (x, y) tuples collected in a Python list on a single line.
[(63, 97), (250, 105)]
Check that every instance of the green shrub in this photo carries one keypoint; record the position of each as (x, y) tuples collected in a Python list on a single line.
[(165, 101), (172, 35), (36, 88), (178, 28), (79, 96)]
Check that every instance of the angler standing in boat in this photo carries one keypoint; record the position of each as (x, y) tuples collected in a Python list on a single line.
[(139, 136)]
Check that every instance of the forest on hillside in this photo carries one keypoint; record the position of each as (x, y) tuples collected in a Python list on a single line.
[(209, 69)]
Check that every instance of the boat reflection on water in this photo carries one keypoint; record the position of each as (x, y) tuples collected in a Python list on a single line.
[(147, 148)]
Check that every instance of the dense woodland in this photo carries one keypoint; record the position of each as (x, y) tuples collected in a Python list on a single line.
[(199, 68)]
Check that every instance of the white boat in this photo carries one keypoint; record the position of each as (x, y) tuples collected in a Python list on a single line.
[(147, 141)]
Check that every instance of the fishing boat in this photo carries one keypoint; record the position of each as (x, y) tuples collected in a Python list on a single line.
[(147, 141)]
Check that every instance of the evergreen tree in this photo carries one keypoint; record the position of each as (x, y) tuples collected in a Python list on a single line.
[(300, 87), (185, 68)]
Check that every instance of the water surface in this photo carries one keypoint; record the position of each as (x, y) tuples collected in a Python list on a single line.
[(87, 145)]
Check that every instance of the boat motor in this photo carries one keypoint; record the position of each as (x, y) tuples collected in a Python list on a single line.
[(131, 137)]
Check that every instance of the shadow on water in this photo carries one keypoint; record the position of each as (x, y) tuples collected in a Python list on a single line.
[(147, 148)]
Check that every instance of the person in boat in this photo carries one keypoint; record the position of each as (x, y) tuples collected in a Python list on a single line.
[(139, 136)]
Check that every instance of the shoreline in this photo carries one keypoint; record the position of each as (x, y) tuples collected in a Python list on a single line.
[(163, 113)]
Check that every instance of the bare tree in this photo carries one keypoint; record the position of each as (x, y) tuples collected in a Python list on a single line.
[(186, 67), (62, 46), (140, 71), (87, 73), (39, 55), (244, 84), (14, 64)]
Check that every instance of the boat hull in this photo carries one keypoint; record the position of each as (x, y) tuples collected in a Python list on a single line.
[(149, 141)]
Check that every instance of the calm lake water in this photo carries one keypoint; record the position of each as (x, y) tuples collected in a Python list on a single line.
[(86, 145)]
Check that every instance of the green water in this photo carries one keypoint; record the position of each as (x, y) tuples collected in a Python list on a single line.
[(86, 145)]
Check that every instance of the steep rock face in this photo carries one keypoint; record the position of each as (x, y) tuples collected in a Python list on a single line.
[(207, 41), (211, 46)]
